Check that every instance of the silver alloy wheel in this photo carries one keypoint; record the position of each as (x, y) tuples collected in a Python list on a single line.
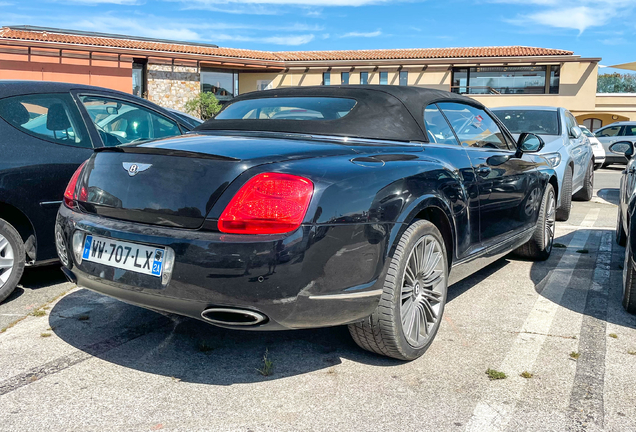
[(532, 203), (423, 290), (550, 218), (6, 260)]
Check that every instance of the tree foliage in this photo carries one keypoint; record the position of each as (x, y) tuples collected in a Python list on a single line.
[(205, 105), (616, 83)]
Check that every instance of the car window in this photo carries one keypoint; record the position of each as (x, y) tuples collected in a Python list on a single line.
[(437, 127), (611, 131), (123, 122), (534, 121), (629, 131), (288, 108), (474, 127), (52, 117), (570, 121)]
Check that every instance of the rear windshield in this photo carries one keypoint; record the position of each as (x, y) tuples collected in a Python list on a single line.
[(533, 121), (288, 108)]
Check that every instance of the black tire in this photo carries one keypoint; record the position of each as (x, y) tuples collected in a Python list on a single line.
[(606, 164), (563, 212), (621, 237), (629, 281), (11, 247), (539, 247), (597, 166), (383, 332), (586, 192)]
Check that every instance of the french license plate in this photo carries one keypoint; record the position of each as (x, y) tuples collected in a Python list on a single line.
[(124, 255)]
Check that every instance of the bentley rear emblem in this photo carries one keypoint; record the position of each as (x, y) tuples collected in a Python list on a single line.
[(134, 168)]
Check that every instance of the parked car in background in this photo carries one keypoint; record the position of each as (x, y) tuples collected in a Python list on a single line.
[(46, 131), (626, 221), (597, 147), (312, 207), (608, 135), (566, 148)]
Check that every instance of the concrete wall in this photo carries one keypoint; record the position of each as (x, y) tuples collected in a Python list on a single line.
[(47, 65), (171, 86)]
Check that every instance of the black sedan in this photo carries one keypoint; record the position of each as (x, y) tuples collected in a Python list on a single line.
[(625, 235), (47, 130), (311, 207)]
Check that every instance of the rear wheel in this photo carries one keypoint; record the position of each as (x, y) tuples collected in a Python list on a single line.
[(629, 282), (413, 298), (585, 194), (12, 259), (597, 166), (539, 247), (563, 212), (621, 237)]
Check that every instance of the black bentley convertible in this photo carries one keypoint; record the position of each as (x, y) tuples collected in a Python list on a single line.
[(312, 207)]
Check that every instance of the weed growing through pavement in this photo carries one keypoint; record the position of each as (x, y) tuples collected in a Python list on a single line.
[(83, 317), (575, 355), (613, 335), (525, 374), (268, 365), (631, 352), (582, 251), (559, 245), (495, 375), (45, 335), (38, 313)]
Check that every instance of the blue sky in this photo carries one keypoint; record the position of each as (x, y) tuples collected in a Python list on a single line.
[(591, 28)]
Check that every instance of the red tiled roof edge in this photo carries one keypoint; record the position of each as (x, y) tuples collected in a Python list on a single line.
[(282, 56)]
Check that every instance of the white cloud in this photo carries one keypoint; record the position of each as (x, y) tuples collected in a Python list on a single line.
[(360, 34), (570, 14), (322, 3)]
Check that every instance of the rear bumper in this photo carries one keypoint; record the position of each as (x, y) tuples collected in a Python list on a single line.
[(317, 276)]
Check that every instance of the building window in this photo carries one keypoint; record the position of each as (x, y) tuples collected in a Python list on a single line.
[(264, 85), (364, 78), (404, 78), (344, 78), (220, 82), (139, 78), (506, 80), (326, 78), (384, 78), (593, 124)]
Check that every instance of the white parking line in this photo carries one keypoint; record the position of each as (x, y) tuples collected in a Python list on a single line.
[(491, 413)]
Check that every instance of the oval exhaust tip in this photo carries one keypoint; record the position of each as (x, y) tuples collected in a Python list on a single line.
[(233, 317)]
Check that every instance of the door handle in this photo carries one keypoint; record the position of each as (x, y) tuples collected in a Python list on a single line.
[(483, 170)]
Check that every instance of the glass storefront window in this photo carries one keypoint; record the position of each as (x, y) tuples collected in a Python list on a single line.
[(344, 78), (364, 78), (506, 80), (384, 78), (221, 82), (139, 79), (404, 78)]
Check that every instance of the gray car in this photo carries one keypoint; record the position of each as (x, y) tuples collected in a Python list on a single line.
[(566, 148), (619, 131)]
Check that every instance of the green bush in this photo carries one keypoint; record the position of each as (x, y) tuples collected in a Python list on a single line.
[(204, 106), (616, 83)]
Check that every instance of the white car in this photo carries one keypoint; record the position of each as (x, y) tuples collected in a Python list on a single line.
[(597, 147)]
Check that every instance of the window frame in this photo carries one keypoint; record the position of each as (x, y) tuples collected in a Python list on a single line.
[(366, 74), (326, 78), (344, 81), (457, 142), (403, 74), (380, 77), (547, 87)]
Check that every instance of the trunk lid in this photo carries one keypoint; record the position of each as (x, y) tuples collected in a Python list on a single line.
[(175, 182)]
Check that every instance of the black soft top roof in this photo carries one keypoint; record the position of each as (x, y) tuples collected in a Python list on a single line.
[(381, 112)]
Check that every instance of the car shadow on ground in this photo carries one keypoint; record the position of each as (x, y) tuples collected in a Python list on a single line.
[(194, 351), (579, 296), (35, 278), (611, 195)]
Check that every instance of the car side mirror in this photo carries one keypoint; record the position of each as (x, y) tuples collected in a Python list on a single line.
[(576, 132), (112, 110), (623, 148), (529, 143)]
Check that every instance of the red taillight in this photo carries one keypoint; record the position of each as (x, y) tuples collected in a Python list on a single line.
[(69, 195), (269, 203)]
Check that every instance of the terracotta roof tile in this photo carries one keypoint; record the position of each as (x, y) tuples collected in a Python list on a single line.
[(286, 56)]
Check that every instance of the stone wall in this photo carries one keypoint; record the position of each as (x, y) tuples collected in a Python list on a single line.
[(171, 86)]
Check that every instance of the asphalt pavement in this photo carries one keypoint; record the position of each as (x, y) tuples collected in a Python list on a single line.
[(75, 360)]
